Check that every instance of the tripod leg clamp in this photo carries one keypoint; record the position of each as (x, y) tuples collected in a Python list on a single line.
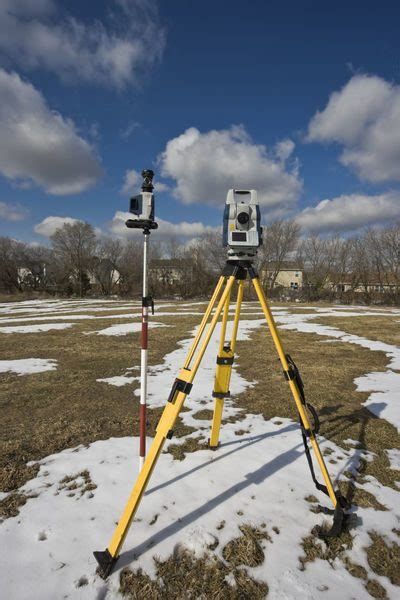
[(179, 386)]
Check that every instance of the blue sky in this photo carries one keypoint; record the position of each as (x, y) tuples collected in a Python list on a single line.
[(211, 95)]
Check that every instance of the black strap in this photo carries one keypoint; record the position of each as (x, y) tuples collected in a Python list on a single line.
[(339, 515), (318, 485), (294, 374)]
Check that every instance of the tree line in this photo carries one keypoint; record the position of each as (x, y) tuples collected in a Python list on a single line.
[(363, 267)]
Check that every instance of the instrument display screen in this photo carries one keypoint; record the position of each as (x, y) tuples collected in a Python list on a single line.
[(239, 236)]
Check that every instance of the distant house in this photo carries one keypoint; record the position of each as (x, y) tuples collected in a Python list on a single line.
[(287, 274), (23, 274), (169, 271), (32, 275), (104, 272), (385, 283)]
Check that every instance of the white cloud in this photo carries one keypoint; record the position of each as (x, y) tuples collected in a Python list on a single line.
[(364, 117), (205, 165), (347, 213), (12, 212), (284, 149), (129, 129), (39, 145), (49, 225), (131, 182), (160, 186), (165, 228), (115, 53)]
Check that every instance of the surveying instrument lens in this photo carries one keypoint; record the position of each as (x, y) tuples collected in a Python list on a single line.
[(242, 249), (243, 218)]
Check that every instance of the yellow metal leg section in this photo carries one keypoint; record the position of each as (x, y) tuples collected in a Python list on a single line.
[(293, 386), (166, 423), (223, 371)]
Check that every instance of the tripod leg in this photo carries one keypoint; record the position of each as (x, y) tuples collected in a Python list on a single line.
[(289, 376), (180, 389), (223, 371)]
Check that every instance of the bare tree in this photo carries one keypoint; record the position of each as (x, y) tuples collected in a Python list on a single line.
[(11, 260), (390, 253), (106, 263), (211, 252), (280, 240), (74, 246), (317, 257)]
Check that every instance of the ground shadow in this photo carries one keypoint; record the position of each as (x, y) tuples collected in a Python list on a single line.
[(256, 477), (249, 441)]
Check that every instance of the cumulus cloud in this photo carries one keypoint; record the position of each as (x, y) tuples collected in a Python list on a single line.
[(113, 53), (165, 228), (41, 146), (49, 225), (205, 165), (284, 149), (13, 212), (347, 213), (364, 117), (131, 182)]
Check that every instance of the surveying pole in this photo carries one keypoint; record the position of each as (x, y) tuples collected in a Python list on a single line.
[(142, 207), (146, 302)]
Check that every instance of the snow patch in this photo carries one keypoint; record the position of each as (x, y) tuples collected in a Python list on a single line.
[(35, 328), (125, 328), (27, 366)]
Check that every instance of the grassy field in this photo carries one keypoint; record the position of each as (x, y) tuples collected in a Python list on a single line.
[(47, 412)]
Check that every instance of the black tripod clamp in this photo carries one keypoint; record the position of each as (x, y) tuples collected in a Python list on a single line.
[(138, 224), (148, 301)]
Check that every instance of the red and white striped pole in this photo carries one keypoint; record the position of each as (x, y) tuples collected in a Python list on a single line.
[(146, 303)]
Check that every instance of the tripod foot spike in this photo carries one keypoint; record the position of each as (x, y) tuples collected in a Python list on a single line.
[(213, 447), (106, 563), (338, 525)]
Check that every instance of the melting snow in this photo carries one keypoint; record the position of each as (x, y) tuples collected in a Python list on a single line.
[(26, 366), (35, 328), (125, 328)]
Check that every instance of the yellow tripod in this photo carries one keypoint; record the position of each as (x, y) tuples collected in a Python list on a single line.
[(234, 271)]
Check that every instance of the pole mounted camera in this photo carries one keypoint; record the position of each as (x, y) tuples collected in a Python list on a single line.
[(242, 231), (142, 205)]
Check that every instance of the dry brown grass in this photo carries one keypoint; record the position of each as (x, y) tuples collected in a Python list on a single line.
[(247, 549), (47, 412), (384, 558), (191, 444), (72, 485), (183, 576), (328, 371), (382, 329)]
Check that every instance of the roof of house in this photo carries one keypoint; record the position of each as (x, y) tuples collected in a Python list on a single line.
[(286, 265), (373, 279)]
